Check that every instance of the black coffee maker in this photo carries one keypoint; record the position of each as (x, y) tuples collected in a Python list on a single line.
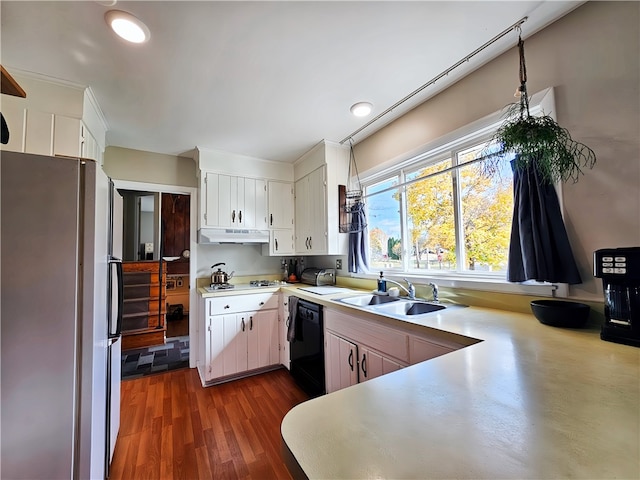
[(619, 269)]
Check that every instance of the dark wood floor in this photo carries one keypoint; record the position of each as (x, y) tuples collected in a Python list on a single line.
[(173, 428), (178, 328)]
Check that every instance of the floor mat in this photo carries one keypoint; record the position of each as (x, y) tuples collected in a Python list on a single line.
[(172, 355)]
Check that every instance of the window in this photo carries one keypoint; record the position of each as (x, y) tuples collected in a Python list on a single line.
[(441, 215), (434, 215), (383, 220)]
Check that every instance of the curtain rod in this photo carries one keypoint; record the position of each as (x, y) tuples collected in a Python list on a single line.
[(438, 77)]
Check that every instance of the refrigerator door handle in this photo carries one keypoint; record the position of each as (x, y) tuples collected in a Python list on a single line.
[(119, 275)]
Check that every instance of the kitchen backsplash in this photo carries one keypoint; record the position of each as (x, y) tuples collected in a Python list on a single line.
[(241, 259), (247, 260)]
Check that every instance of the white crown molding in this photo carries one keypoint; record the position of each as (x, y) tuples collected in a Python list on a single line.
[(45, 78), (89, 95)]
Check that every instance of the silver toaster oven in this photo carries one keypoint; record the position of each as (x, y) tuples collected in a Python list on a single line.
[(318, 276)]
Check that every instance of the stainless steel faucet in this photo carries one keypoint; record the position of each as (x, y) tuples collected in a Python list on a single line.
[(434, 287), (410, 289)]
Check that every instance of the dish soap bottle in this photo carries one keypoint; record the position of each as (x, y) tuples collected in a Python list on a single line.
[(382, 283), (285, 277)]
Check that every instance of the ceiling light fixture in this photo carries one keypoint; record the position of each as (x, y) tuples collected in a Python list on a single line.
[(361, 109), (127, 26)]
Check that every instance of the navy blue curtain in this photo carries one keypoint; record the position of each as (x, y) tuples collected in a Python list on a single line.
[(358, 261), (539, 248)]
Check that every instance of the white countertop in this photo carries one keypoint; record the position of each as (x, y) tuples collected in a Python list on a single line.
[(529, 401)]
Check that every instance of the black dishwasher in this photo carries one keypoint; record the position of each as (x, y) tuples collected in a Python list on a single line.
[(307, 351)]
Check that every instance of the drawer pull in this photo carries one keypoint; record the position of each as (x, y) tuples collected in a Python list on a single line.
[(261, 303), (364, 364), (226, 306)]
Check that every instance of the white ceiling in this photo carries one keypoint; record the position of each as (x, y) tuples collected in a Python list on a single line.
[(264, 79)]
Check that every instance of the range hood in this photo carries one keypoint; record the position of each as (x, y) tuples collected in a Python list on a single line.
[(232, 235)]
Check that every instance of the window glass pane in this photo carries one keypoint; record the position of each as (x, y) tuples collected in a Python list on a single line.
[(431, 224), (487, 208), (383, 220)]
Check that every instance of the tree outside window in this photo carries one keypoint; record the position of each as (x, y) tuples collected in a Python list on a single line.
[(458, 208)]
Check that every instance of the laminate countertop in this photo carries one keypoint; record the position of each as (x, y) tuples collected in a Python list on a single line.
[(529, 401)]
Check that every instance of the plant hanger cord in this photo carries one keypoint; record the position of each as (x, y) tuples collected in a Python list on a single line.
[(524, 96)]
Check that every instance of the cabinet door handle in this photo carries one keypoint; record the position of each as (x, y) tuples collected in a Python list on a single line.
[(276, 242), (261, 303), (240, 217), (242, 323), (251, 323), (351, 360), (310, 244), (364, 364), (271, 219), (226, 307), (233, 216)]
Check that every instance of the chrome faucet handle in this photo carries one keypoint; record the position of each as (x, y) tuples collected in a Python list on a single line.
[(434, 287), (411, 289)]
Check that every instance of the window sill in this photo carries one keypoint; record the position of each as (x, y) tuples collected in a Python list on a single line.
[(488, 284)]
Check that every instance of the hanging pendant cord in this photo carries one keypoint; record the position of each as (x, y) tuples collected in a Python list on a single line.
[(438, 77), (524, 97), (352, 160)]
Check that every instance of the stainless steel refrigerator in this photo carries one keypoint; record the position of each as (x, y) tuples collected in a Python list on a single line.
[(59, 326)]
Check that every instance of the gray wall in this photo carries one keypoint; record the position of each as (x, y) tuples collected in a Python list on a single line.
[(148, 167), (591, 58)]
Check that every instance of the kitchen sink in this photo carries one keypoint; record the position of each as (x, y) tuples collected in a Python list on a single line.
[(398, 307), (363, 300), (409, 307)]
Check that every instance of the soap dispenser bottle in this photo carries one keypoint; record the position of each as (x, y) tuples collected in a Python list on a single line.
[(382, 283)]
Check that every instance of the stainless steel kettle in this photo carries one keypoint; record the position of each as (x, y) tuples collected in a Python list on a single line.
[(219, 277)]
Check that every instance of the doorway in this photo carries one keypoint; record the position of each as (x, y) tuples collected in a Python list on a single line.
[(157, 229), (174, 221)]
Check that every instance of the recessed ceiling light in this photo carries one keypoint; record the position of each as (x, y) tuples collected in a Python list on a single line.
[(361, 109), (127, 26)]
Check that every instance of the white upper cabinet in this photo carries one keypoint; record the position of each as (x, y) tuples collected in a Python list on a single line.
[(54, 119), (311, 212), (280, 196), (230, 201), (280, 219), (318, 174)]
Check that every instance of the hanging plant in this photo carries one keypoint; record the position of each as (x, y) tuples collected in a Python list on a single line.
[(537, 141)]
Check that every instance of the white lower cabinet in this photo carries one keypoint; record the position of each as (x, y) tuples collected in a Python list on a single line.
[(239, 342), (373, 364), (357, 350), (349, 363), (341, 368), (263, 339), (283, 322)]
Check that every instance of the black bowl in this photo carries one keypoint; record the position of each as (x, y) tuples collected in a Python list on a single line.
[(560, 313)]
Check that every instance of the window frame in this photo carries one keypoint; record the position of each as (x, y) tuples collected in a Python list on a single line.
[(448, 147)]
